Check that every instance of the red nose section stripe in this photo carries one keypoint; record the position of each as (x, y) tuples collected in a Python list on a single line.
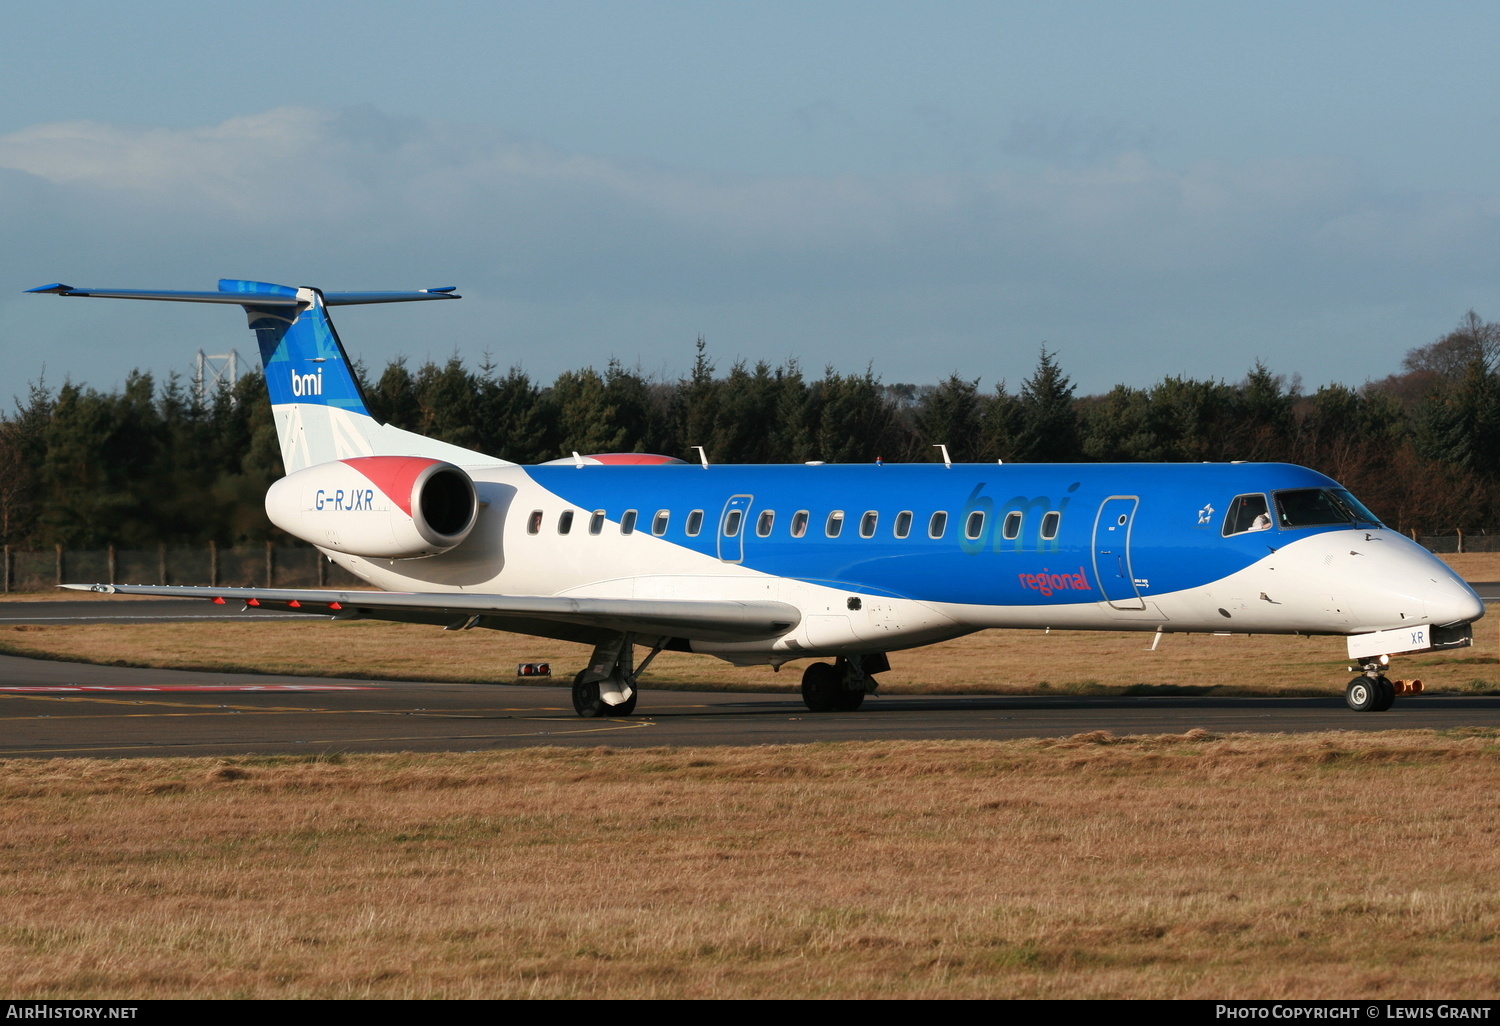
[(393, 475)]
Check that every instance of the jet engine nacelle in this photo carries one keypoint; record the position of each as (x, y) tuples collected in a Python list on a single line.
[(390, 507)]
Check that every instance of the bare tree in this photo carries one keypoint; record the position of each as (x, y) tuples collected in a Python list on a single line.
[(1474, 341)]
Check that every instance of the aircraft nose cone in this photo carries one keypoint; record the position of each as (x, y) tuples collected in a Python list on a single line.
[(1452, 601)]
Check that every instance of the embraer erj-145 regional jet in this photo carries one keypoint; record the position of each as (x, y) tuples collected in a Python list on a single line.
[(769, 564)]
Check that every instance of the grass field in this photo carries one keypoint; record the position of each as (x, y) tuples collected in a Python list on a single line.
[(1351, 866), (992, 662), (1356, 866)]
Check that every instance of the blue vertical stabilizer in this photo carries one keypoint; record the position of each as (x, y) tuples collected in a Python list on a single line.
[(299, 348)]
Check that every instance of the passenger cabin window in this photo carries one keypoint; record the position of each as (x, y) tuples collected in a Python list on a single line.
[(694, 523), (974, 526), (1010, 530), (835, 525), (660, 521), (799, 523), (1050, 523), (764, 523), (1318, 507), (903, 524), (1247, 513), (867, 524), (938, 525), (596, 522), (534, 522), (627, 522), (565, 522), (732, 523)]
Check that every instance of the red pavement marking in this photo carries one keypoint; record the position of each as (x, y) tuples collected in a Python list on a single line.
[(190, 687)]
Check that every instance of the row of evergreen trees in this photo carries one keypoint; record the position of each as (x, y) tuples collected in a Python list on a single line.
[(150, 463)]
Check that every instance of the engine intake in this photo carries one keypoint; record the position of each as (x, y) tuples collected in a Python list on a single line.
[(387, 507)]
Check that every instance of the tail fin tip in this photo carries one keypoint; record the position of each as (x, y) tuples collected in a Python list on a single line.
[(259, 288)]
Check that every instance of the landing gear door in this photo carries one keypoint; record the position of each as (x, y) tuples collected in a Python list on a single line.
[(732, 528), (1112, 529)]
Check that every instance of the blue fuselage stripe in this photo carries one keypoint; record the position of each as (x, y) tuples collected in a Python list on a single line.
[(1170, 539)]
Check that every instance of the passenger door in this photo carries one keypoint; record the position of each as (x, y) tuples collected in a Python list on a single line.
[(1112, 552)]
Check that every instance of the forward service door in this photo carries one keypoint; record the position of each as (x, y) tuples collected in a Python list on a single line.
[(732, 524)]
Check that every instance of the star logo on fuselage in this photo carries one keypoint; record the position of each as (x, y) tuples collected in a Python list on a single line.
[(1205, 513)]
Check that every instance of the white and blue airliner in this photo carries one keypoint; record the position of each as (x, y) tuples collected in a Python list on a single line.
[(764, 565)]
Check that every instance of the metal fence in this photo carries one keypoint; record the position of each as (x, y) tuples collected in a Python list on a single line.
[(1460, 542), (267, 566)]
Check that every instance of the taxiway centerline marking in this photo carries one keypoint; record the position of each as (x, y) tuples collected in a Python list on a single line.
[(146, 689)]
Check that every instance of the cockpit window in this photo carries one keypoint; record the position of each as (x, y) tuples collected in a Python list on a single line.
[(1247, 513), (1318, 507)]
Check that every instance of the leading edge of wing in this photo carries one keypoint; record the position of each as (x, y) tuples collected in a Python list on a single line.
[(709, 620)]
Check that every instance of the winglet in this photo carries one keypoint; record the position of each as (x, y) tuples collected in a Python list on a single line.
[(56, 287)]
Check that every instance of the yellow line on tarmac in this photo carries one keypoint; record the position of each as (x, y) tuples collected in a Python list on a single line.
[(157, 702), (465, 713)]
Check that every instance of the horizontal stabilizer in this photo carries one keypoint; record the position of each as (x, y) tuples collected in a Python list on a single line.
[(169, 297), (717, 620), (264, 295), (362, 298)]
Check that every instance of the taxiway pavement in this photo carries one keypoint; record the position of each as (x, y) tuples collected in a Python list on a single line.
[(58, 709)]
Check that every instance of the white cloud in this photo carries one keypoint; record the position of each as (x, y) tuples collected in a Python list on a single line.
[(1130, 266)]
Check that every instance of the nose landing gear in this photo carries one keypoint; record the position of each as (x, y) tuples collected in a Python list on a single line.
[(1373, 691)]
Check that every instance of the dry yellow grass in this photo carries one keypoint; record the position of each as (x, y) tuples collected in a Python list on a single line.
[(1011, 662), (1475, 566), (1337, 865), (1006, 662)]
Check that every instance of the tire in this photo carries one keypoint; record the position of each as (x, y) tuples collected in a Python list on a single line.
[(849, 701), (1362, 695), (586, 700), (1387, 694), (625, 708), (821, 687)]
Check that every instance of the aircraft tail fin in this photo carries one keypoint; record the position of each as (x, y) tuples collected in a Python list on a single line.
[(320, 411)]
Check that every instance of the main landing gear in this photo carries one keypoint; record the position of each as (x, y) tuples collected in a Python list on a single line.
[(1373, 691), (841, 686), (608, 686)]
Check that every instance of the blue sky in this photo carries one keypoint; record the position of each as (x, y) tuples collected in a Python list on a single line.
[(1147, 189)]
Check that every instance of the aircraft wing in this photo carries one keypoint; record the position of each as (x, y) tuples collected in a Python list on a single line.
[(570, 619)]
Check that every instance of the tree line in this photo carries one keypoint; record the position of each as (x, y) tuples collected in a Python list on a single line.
[(155, 462)]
